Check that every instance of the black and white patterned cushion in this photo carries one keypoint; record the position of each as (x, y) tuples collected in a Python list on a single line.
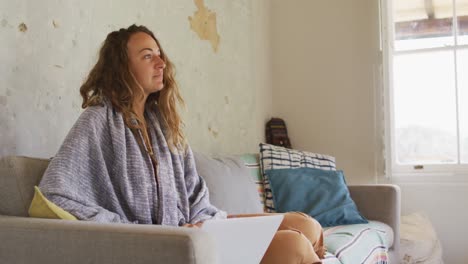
[(274, 157)]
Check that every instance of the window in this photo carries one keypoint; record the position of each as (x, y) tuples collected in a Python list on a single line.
[(426, 60)]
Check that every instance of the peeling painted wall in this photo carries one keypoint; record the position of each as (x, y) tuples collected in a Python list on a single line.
[(204, 24), (48, 47)]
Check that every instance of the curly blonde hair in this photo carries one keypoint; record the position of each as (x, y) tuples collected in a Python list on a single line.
[(111, 78)]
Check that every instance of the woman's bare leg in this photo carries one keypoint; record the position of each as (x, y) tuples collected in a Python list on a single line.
[(299, 240)]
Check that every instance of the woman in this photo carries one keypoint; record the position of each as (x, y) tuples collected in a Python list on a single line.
[(126, 159)]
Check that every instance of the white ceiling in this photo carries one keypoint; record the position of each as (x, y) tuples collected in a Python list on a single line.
[(408, 10)]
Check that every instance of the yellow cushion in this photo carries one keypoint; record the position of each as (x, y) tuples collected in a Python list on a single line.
[(42, 208)]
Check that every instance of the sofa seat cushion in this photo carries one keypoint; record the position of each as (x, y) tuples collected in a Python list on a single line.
[(359, 243)]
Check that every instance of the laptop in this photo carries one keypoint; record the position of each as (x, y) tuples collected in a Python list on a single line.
[(242, 240)]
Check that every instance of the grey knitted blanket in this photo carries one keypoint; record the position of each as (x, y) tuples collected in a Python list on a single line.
[(101, 174)]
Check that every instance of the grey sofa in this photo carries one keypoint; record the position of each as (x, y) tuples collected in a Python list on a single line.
[(33, 240)]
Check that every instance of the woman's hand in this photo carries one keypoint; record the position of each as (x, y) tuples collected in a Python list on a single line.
[(197, 225)]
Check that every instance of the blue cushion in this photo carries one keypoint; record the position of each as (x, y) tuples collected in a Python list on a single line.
[(275, 157), (322, 194)]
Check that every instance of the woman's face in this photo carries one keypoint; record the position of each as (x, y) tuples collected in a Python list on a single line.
[(145, 62)]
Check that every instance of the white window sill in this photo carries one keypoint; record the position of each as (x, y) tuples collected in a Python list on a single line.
[(428, 177)]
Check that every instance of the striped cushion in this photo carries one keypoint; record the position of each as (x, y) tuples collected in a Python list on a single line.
[(252, 162), (361, 243), (274, 157)]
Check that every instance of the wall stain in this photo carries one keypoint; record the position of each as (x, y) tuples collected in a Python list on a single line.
[(203, 23), (226, 99), (22, 27), (213, 131), (55, 23), (8, 92), (4, 22), (58, 66), (74, 42), (3, 100)]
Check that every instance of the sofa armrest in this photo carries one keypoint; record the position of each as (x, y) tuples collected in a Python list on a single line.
[(35, 240), (380, 202)]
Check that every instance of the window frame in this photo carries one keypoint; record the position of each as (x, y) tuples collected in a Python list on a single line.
[(413, 171)]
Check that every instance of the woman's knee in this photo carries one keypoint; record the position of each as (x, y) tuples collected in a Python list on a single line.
[(292, 217), (310, 227), (290, 246), (303, 222)]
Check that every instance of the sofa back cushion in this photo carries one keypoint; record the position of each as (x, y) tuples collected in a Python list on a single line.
[(229, 181), (231, 186), (18, 176), (322, 194), (41, 207), (252, 163), (275, 157)]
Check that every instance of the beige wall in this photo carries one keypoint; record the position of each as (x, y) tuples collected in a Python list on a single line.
[(326, 85), (228, 93), (325, 54)]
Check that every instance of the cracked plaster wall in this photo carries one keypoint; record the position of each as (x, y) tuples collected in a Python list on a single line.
[(49, 46)]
